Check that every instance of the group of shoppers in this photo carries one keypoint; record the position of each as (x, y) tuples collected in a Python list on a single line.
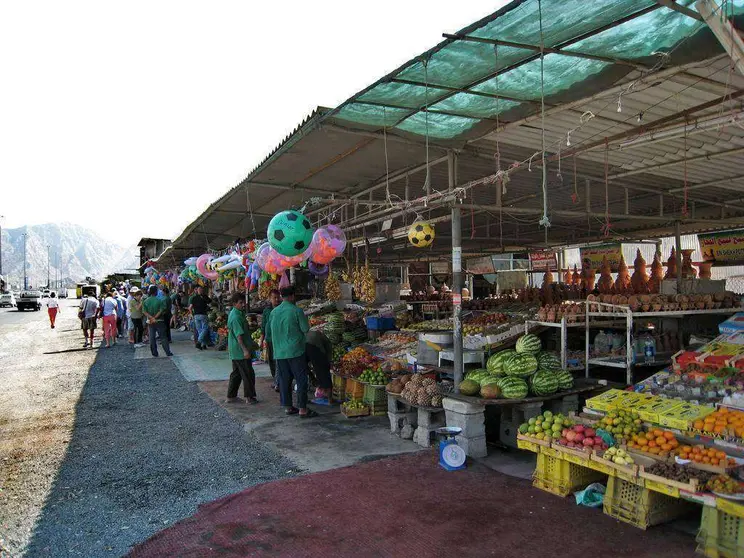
[(290, 348), (123, 310)]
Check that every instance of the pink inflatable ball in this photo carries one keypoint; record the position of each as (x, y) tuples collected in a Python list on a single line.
[(262, 255), (338, 237)]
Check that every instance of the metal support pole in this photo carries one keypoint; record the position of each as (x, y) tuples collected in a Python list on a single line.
[(457, 294), (48, 261), (25, 279), (678, 254)]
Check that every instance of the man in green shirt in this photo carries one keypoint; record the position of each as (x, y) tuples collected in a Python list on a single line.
[(286, 330), (154, 310), (274, 298), (239, 347)]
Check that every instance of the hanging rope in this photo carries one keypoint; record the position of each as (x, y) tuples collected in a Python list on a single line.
[(427, 180), (250, 210), (387, 163), (607, 225), (545, 222)]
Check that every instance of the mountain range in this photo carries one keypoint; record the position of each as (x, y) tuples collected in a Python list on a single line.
[(74, 254)]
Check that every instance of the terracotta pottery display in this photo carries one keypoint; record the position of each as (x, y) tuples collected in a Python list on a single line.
[(588, 277), (688, 272), (671, 272), (622, 283), (657, 274), (546, 291), (568, 277), (605, 277), (639, 279), (704, 268)]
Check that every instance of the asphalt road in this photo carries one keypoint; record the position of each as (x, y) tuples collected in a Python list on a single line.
[(98, 451)]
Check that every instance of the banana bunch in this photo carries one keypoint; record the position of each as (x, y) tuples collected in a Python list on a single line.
[(332, 288), (264, 288), (367, 290)]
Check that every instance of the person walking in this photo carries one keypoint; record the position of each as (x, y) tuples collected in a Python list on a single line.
[(135, 312), (239, 347), (286, 330), (121, 313), (108, 313), (87, 314), (274, 299), (52, 307), (198, 306), (153, 309)]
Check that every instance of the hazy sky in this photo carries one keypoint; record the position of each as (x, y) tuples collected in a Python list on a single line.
[(179, 100)]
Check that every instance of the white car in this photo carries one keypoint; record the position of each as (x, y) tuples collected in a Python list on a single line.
[(7, 299)]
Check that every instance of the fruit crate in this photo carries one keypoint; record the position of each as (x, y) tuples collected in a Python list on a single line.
[(353, 413), (375, 396), (354, 389), (633, 503), (558, 476), (338, 387), (721, 532)]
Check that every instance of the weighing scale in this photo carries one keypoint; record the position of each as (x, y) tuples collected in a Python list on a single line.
[(451, 455)]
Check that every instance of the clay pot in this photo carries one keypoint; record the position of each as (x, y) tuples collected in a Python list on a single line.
[(688, 272), (704, 269), (672, 265)]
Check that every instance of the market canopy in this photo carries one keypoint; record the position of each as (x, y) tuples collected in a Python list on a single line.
[(635, 104)]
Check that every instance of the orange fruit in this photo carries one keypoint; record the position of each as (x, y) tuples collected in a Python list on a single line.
[(660, 440), (642, 442), (654, 450), (696, 457), (714, 461), (698, 425), (686, 449), (720, 455), (706, 459), (718, 429), (650, 436), (674, 443), (669, 435), (684, 455), (651, 444), (666, 447), (696, 449)]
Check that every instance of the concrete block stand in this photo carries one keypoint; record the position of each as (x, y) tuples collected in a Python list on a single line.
[(425, 421), (470, 418)]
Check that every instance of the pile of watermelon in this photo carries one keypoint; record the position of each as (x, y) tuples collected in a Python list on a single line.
[(515, 373)]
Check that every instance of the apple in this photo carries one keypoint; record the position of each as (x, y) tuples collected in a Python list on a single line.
[(564, 432), (579, 438), (571, 445), (588, 441), (578, 428), (563, 441), (571, 435), (589, 432)]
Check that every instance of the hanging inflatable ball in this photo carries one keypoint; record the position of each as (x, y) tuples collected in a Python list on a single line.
[(421, 234), (290, 233)]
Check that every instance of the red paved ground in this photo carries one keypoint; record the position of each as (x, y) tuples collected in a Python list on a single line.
[(407, 506)]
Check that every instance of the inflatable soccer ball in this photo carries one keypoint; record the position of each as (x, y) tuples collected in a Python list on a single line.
[(290, 233), (421, 234)]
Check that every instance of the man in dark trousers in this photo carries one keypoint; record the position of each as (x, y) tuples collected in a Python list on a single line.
[(199, 306), (274, 299), (239, 347), (286, 330), (319, 352)]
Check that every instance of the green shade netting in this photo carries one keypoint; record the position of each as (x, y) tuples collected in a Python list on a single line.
[(402, 94), (561, 72), (440, 126), (462, 63), (474, 105), (562, 20), (371, 115), (633, 40)]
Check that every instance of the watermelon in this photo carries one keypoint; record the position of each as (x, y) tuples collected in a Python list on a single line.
[(547, 360), (544, 382), (521, 364), (495, 364), (513, 387), (469, 387), (488, 379), (529, 343), (565, 379), (476, 375)]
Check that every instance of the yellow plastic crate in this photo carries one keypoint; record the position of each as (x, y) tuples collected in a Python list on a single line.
[(654, 407), (721, 534), (605, 401), (635, 504), (683, 415), (561, 477)]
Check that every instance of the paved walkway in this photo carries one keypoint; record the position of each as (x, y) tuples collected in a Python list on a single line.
[(407, 506)]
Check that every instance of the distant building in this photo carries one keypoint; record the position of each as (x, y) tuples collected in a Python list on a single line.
[(151, 248)]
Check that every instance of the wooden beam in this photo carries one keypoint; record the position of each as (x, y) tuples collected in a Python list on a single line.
[(672, 5)]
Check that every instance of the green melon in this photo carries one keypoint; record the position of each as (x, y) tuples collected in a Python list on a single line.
[(521, 364), (490, 391), (544, 382), (488, 379), (469, 387), (529, 343), (513, 387), (495, 364), (565, 379), (548, 360)]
